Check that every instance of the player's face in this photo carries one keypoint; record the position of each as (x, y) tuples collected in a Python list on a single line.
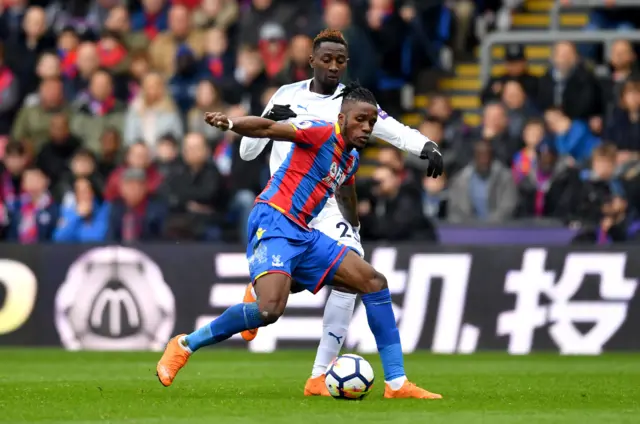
[(329, 62), (358, 121)]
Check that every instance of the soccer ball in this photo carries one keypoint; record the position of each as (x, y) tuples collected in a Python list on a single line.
[(349, 377)]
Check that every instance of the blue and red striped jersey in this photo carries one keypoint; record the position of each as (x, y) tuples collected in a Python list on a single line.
[(314, 169)]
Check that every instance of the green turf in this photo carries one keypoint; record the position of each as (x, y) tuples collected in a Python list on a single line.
[(237, 387)]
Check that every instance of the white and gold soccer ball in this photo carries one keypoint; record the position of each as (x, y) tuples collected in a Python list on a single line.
[(349, 377)]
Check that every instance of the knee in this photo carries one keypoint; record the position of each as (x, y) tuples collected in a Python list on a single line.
[(377, 283), (271, 309)]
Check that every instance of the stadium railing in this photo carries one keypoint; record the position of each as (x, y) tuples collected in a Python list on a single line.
[(554, 23), (527, 37)]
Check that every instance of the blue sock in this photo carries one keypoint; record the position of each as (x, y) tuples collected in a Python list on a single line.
[(382, 323), (240, 317)]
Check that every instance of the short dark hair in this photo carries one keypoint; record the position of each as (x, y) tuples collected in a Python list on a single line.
[(354, 92), (15, 148), (329, 36)]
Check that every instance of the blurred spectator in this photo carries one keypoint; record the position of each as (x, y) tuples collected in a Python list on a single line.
[(167, 156), (515, 70), (195, 191), (519, 108), (218, 62), (297, 68), (216, 13), (85, 220), (363, 61), (571, 138), (250, 81), (86, 16), (9, 95), (119, 22), (484, 190), (138, 157), (569, 85), (113, 53), (495, 129), (603, 206), (463, 11), (392, 212), (435, 197), (35, 219), (180, 37), (56, 153), (273, 48), (433, 129), (623, 129), (96, 110), (606, 18), (208, 99), (14, 163), (182, 85), (110, 151), (11, 20), (440, 108), (545, 188), (136, 215), (68, 43), (48, 68), (387, 30), (262, 12), (138, 69), (152, 19), (83, 165), (87, 63), (22, 54), (32, 123), (152, 114), (622, 64), (525, 161)]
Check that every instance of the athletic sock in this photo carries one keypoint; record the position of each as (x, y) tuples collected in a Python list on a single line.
[(235, 319), (335, 323), (382, 323)]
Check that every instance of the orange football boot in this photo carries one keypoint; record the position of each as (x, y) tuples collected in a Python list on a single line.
[(316, 387), (409, 391), (249, 335), (174, 358)]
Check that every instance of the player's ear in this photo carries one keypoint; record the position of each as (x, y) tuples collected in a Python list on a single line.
[(341, 119), (311, 60)]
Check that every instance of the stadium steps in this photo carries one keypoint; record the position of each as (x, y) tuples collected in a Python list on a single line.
[(465, 85)]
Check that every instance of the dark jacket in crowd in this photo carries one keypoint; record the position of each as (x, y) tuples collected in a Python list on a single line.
[(400, 218), (581, 97), (152, 215), (54, 159), (622, 131)]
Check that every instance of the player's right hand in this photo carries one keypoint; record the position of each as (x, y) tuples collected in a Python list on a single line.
[(217, 119), (280, 113)]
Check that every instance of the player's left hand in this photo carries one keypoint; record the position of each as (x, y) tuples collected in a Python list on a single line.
[(217, 119), (431, 152)]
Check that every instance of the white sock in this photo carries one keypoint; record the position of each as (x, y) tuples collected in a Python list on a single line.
[(397, 383), (335, 323), (183, 344)]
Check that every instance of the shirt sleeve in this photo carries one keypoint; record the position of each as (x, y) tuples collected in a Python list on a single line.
[(251, 147), (312, 133), (393, 132)]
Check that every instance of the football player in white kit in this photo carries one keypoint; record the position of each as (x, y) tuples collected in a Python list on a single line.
[(316, 99)]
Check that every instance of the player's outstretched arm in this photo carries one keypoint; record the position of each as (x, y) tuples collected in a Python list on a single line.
[(410, 140), (252, 126)]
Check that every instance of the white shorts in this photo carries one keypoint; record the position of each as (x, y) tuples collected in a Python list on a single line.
[(339, 229)]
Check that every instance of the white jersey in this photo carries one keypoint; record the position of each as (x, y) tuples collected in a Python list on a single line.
[(309, 105)]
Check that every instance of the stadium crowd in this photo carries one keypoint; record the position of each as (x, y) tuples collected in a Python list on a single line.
[(103, 137)]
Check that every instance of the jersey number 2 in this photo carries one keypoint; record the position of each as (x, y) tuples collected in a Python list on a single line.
[(345, 229)]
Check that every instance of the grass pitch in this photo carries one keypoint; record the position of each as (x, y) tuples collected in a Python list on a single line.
[(233, 387)]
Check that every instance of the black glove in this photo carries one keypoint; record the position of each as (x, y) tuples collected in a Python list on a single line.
[(280, 113), (431, 153)]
